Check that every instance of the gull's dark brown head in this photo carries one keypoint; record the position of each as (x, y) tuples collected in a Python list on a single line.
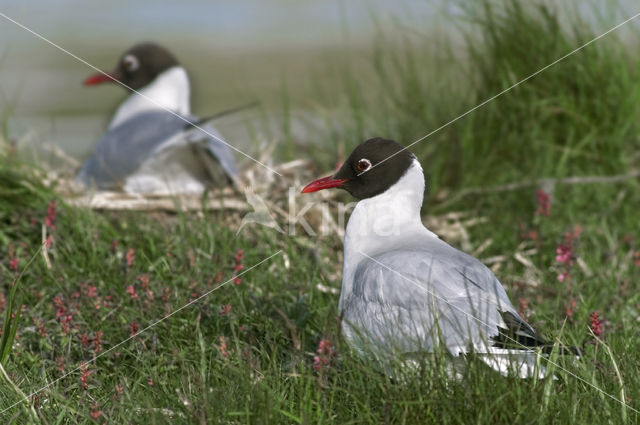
[(372, 168), (138, 66)]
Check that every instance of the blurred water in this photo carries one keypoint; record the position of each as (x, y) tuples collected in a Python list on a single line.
[(235, 51)]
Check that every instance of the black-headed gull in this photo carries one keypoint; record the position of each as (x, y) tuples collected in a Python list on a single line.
[(406, 291), (147, 148)]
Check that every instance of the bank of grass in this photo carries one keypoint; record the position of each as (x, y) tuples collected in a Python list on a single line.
[(245, 353)]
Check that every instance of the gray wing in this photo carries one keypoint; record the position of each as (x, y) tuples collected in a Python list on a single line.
[(125, 148), (415, 300), (214, 147)]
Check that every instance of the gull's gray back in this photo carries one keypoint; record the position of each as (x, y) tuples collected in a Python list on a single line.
[(428, 294), (125, 148)]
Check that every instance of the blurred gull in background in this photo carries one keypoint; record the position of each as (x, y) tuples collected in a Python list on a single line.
[(147, 148)]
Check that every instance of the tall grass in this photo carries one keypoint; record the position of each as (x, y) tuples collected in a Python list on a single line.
[(577, 117)]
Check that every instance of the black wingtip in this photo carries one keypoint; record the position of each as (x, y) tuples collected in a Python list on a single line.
[(223, 114), (519, 335)]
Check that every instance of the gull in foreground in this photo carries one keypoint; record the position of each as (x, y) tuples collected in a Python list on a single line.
[(405, 291), (148, 149)]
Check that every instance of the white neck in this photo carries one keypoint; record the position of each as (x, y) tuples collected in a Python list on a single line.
[(169, 90), (385, 222)]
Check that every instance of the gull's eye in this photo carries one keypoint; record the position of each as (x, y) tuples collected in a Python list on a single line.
[(130, 63), (363, 165)]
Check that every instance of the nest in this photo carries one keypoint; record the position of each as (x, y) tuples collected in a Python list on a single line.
[(267, 197)]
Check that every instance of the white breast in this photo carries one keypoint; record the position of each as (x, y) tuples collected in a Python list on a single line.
[(170, 90), (385, 222)]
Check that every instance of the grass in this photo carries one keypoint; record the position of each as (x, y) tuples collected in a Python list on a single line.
[(245, 353)]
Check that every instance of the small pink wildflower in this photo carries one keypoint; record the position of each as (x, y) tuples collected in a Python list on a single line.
[(60, 364), (84, 376), (166, 293), (84, 340), (150, 382), (596, 324), (119, 392), (225, 309), (564, 254), (133, 328), (544, 203), (50, 219), (570, 308), (47, 243), (66, 323), (238, 266), (92, 291), (130, 256), (326, 351), (13, 264), (132, 292), (97, 342), (95, 411), (523, 307), (223, 346), (41, 328), (57, 301), (144, 281)]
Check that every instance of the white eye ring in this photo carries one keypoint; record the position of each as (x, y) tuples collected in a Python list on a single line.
[(130, 63), (363, 165)]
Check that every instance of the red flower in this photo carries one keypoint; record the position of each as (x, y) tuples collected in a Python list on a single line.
[(13, 264), (166, 293), (84, 340), (133, 328), (239, 255), (223, 346), (97, 342), (92, 291), (564, 254), (326, 351), (119, 392), (95, 412), (50, 219), (144, 281), (238, 266), (523, 308), (132, 292), (130, 256), (66, 323), (225, 309), (84, 376), (544, 202), (60, 363), (570, 308), (596, 324)]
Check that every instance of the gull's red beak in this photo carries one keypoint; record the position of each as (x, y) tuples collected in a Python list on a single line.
[(99, 79), (324, 183)]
